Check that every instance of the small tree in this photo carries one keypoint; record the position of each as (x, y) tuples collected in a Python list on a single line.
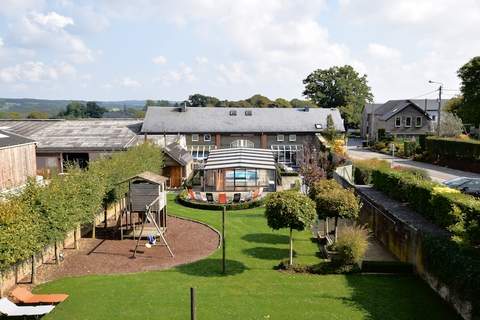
[(450, 125), (332, 200), (289, 209), (310, 167)]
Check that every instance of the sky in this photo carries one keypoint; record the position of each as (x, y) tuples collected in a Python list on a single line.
[(162, 49)]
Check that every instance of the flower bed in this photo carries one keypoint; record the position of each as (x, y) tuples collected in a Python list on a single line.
[(183, 199)]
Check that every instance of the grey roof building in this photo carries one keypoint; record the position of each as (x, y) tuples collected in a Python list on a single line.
[(408, 117), (159, 120), (9, 139), (77, 135)]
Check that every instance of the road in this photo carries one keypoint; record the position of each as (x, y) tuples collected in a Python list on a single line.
[(437, 173)]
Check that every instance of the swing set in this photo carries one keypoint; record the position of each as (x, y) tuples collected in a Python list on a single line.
[(145, 213)]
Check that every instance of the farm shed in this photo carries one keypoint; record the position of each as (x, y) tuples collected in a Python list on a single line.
[(178, 164), (17, 160)]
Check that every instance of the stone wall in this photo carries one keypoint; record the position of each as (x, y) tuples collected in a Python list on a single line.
[(400, 231)]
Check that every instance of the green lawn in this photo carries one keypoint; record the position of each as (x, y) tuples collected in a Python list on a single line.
[(251, 290)]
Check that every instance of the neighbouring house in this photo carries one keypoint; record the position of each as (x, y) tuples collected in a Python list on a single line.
[(17, 160), (402, 118), (78, 141), (178, 164), (282, 130)]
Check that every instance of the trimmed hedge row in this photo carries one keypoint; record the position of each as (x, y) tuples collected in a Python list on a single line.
[(459, 213), (182, 198), (456, 266), (452, 149), (42, 215)]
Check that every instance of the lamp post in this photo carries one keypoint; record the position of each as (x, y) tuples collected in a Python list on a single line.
[(439, 103)]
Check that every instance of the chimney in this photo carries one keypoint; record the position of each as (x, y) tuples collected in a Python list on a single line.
[(306, 109)]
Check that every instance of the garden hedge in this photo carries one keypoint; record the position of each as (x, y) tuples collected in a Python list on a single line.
[(456, 266), (41, 215), (457, 212), (452, 149)]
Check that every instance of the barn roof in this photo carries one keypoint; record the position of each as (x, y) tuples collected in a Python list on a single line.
[(77, 135), (149, 176), (9, 139)]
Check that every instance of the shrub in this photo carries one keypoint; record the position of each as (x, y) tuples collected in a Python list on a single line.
[(381, 134), (452, 149), (416, 172), (362, 172), (351, 245), (458, 213), (456, 266), (409, 148)]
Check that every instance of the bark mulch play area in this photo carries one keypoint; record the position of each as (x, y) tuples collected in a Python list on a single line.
[(190, 241)]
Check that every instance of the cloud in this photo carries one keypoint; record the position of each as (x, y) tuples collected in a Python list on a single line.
[(159, 60), (1, 42), (13, 7), (201, 60), (36, 71), (51, 20), (38, 31), (128, 82), (381, 51), (183, 73)]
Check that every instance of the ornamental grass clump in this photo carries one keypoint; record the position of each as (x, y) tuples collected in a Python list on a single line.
[(351, 245)]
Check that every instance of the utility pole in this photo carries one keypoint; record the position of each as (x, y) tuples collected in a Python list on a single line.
[(439, 108), (440, 88)]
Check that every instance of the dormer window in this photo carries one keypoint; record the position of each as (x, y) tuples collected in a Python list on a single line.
[(248, 112), (280, 137), (318, 126), (233, 112)]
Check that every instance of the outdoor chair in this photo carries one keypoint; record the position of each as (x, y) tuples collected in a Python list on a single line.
[(222, 198), (248, 196), (10, 309), (203, 197), (198, 196), (24, 296), (209, 197), (236, 197)]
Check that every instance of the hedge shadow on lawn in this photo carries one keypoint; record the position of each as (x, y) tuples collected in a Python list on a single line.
[(404, 296), (269, 238), (212, 268), (268, 253)]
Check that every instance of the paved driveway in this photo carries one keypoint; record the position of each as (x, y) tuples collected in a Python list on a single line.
[(437, 173)]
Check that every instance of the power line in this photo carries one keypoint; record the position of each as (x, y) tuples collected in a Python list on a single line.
[(424, 94)]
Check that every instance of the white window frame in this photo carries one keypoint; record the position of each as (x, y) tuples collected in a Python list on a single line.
[(410, 125), (283, 153), (417, 125), (280, 137), (292, 137), (195, 137), (207, 137), (399, 124)]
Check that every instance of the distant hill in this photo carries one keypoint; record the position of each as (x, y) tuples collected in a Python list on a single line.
[(25, 105)]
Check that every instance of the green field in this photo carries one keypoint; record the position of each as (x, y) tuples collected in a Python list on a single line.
[(251, 289)]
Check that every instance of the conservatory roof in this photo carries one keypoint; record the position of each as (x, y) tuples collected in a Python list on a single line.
[(249, 158)]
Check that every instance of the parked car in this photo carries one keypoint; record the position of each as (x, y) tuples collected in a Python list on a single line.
[(466, 185)]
